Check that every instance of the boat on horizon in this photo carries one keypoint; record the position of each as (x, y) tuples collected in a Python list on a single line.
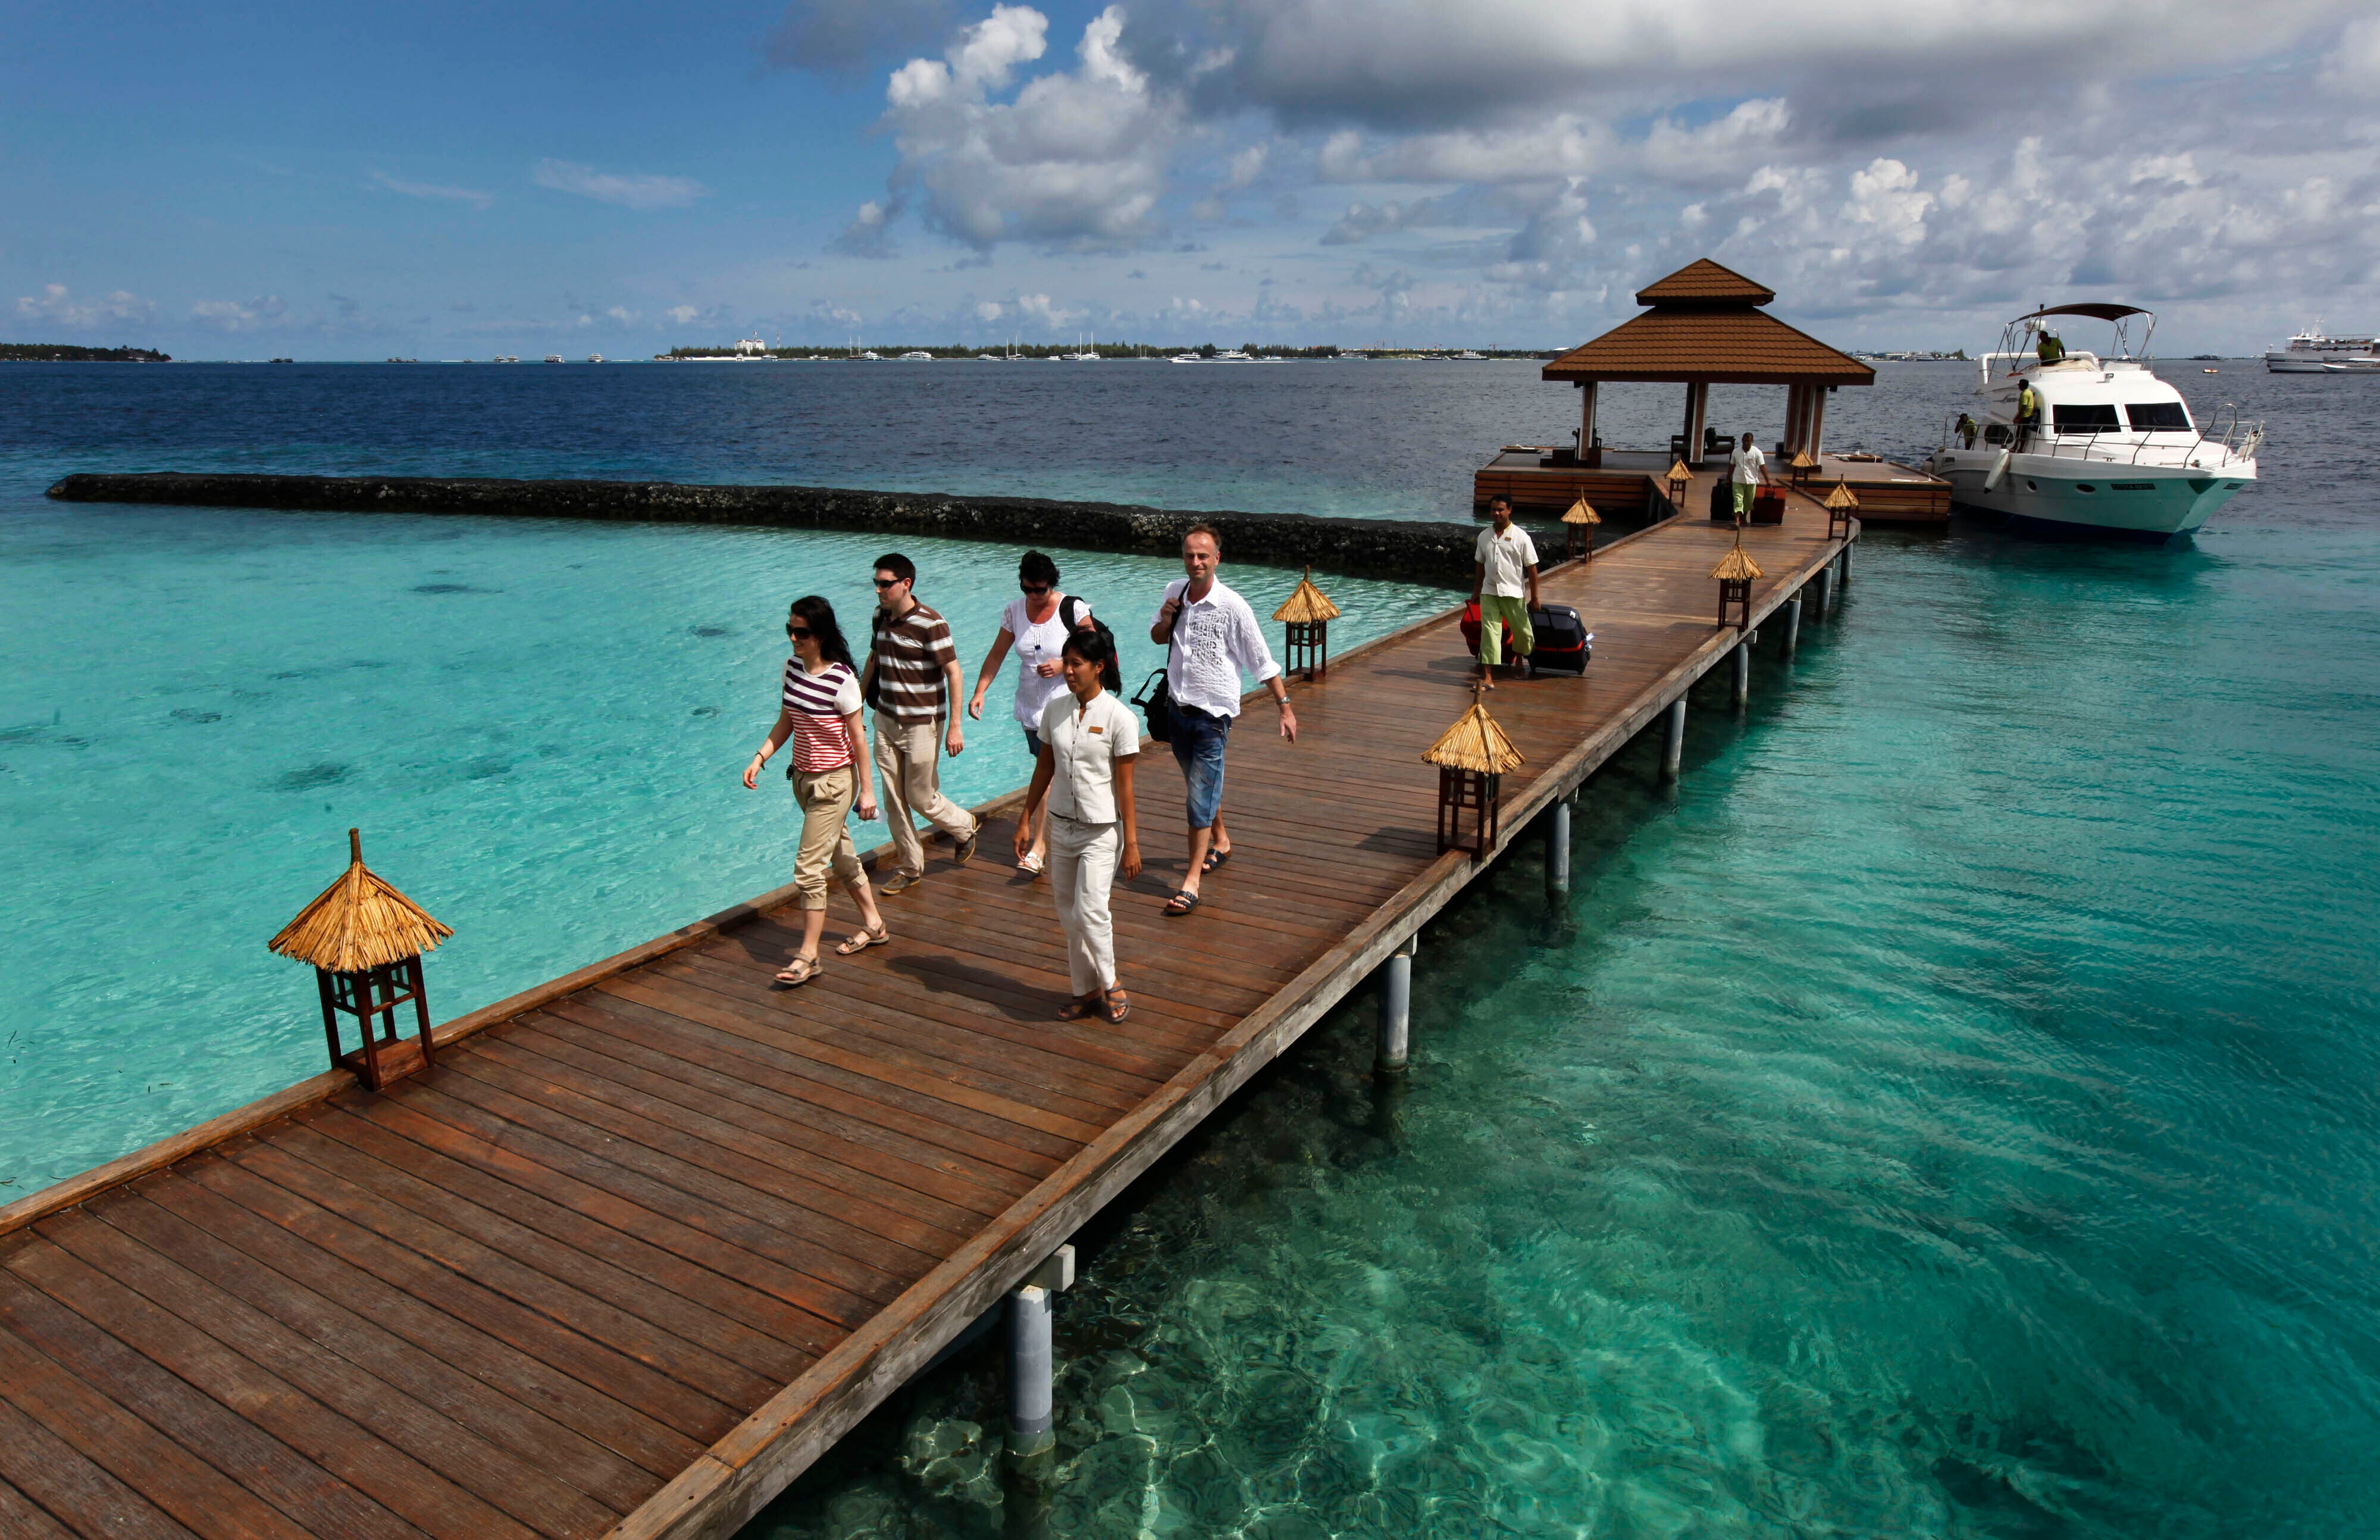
[(2310, 352), (2111, 449)]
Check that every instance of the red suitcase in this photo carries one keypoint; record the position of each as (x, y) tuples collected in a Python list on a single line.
[(1768, 507), (1470, 632)]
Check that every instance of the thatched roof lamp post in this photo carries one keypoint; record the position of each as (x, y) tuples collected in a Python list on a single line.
[(1471, 757), (1307, 615), (1841, 504), (1735, 572), (365, 939), (1578, 529), (1802, 469), (1680, 477)]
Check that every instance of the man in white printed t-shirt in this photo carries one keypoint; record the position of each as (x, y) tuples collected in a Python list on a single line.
[(1212, 638), (1504, 586)]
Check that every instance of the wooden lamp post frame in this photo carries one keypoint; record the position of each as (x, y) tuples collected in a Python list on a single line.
[(371, 996)]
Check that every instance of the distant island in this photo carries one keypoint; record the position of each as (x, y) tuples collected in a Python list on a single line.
[(64, 353), (754, 348)]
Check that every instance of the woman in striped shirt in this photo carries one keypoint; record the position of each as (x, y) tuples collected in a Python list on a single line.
[(821, 716)]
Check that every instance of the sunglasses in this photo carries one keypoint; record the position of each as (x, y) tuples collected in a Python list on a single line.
[(799, 633), (887, 582), (1034, 588)]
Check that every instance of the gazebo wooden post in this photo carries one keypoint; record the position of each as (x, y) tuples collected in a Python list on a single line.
[(1588, 455), (1697, 411)]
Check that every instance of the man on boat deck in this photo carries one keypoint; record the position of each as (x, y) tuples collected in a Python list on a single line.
[(2028, 411), (1504, 586), (1747, 472), (915, 679), (2051, 349)]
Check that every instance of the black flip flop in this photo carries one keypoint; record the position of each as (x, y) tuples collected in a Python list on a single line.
[(1181, 904), (1216, 858)]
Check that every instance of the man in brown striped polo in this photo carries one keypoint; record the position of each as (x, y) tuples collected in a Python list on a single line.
[(915, 680)]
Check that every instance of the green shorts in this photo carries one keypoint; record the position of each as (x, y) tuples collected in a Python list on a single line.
[(1745, 492), (1514, 611)]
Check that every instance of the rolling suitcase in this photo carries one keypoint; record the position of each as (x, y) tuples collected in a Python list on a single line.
[(1722, 501), (1470, 632), (1563, 642), (1768, 507)]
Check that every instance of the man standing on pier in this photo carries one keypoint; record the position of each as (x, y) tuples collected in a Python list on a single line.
[(1747, 472), (1211, 638), (914, 680), (1504, 586)]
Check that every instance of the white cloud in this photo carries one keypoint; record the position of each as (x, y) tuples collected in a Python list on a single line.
[(682, 314), (869, 231), (627, 192), (2353, 68), (56, 305), (472, 196), (1885, 198), (624, 315), (231, 315), (1076, 159)]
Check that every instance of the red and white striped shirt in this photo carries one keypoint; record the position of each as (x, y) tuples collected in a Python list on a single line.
[(818, 702)]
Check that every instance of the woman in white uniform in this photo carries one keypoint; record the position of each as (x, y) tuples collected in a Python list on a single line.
[(1090, 742), (1035, 625)]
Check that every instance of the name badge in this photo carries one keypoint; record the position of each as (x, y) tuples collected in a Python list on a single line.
[(1098, 729)]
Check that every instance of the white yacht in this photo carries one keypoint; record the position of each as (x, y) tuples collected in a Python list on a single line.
[(1186, 359), (917, 355), (1234, 357), (2312, 353), (2110, 448)]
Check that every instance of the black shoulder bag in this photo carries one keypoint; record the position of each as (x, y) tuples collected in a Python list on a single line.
[(1157, 700)]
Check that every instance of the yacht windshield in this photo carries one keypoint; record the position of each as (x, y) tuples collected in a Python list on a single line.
[(2158, 417), (2096, 419)]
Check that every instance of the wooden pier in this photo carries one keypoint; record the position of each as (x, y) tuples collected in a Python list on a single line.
[(646, 1240)]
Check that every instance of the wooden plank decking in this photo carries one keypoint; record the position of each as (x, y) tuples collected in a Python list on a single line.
[(647, 1238)]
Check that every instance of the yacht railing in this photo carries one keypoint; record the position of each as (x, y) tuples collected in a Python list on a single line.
[(2230, 442)]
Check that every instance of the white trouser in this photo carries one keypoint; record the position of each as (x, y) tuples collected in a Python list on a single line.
[(1082, 869)]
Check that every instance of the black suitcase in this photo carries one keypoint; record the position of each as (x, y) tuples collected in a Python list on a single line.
[(1563, 645), (1722, 501)]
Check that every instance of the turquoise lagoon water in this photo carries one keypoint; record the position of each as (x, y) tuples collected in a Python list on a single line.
[(539, 726), (1949, 1110)]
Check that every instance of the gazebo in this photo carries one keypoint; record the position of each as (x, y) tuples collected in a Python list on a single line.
[(1703, 326)]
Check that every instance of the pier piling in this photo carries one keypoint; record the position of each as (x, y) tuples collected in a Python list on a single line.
[(1825, 587), (1793, 624), (1558, 846), (1739, 688), (1673, 749), (1396, 1008), (1032, 1386)]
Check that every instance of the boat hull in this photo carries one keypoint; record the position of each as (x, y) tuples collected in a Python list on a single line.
[(2087, 497)]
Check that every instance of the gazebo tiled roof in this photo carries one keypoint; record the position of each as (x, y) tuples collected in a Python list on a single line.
[(1703, 281), (1704, 324)]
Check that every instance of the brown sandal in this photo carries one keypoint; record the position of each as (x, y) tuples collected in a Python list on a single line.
[(800, 971), (1076, 1009), (861, 940), (1115, 1005)]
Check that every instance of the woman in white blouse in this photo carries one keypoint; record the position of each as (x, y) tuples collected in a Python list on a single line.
[(1089, 744)]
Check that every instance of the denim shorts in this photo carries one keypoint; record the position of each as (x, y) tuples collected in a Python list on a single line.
[(1032, 743), (1198, 741)]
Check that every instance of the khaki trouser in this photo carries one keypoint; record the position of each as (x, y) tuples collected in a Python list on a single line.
[(1082, 871), (909, 765), (825, 800)]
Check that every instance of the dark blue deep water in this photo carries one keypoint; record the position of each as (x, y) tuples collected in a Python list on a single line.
[(1950, 1109)]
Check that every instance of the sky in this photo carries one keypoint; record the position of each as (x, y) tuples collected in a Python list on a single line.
[(439, 180)]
